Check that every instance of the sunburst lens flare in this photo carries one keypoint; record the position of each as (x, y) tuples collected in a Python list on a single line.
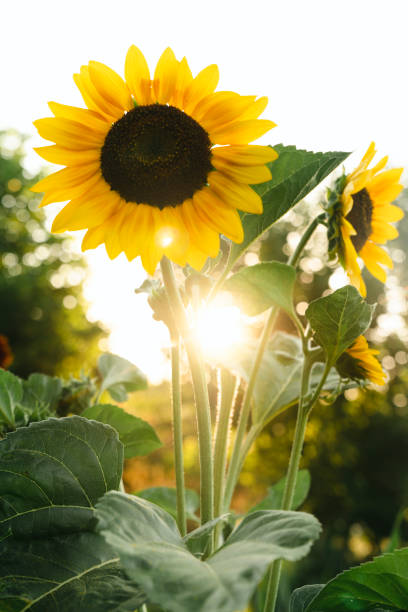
[(360, 214), (155, 165)]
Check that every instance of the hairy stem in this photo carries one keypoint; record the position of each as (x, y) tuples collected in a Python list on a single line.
[(178, 434)]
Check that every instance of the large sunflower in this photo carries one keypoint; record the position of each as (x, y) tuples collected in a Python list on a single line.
[(143, 174), (360, 217), (360, 363)]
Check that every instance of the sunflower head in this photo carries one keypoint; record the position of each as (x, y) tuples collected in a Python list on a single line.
[(155, 165), (360, 214), (360, 363)]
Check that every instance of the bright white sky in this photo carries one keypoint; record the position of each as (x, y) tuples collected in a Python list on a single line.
[(335, 73)]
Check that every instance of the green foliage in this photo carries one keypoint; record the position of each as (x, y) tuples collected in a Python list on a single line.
[(257, 288), (119, 376), (42, 311), (152, 552), (137, 436), (294, 174), (273, 501), (70, 573), (166, 498), (301, 598), (52, 474), (380, 583), (338, 319)]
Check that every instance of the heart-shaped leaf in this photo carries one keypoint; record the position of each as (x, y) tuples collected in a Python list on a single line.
[(338, 319), (119, 376), (273, 501), (294, 174), (137, 436), (257, 288), (150, 548), (53, 472), (42, 391), (382, 583), (68, 573), (301, 597), (11, 394)]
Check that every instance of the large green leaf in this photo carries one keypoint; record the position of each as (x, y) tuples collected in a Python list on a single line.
[(11, 394), (294, 174), (257, 288), (137, 436), (278, 382), (166, 498), (53, 472), (338, 319), (152, 552), (301, 597), (273, 501), (42, 391), (64, 574), (119, 376), (382, 583)]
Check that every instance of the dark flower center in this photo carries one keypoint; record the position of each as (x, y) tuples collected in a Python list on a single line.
[(156, 155), (360, 217)]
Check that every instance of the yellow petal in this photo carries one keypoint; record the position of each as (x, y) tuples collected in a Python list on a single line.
[(110, 85), (67, 157), (381, 232), (90, 119), (371, 251), (112, 239), (93, 98), (206, 239), (74, 191), (241, 132), (385, 195), (66, 178), (184, 78), (375, 269), (94, 237), (138, 76), (196, 258), (235, 194), (79, 214), (218, 110), (165, 76), (245, 155), (255, 109), (171, 234), (217, 215), (250, 175), (387, 213), (68, 133), (384, 180), (202, 85), (151, 252)]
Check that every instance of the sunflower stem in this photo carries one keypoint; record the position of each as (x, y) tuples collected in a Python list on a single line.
[(234, 467), (304, 410), (294, 258), (227, 390), (178, 433), (200, 392)]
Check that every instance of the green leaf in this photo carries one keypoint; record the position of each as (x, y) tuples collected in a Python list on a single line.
[(338, 319), (257, 288), (42, 391), (137, 436), (11, 394), (380, 583), (278, 382), (273, 501), (166, 498), (196, 539), (119, 376), (294, 174), (152, 552), (301, 597), (52, 473), (68, 573)]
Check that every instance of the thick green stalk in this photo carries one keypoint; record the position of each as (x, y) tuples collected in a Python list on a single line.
[(293, 468), (200, 391), (234, 467), (178, 434)]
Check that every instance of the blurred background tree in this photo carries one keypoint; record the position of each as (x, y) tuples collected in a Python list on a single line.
[(42, 310)]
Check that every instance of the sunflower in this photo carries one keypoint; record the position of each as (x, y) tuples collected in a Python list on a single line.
[(360, 363), (155, 166), (360, 216)]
